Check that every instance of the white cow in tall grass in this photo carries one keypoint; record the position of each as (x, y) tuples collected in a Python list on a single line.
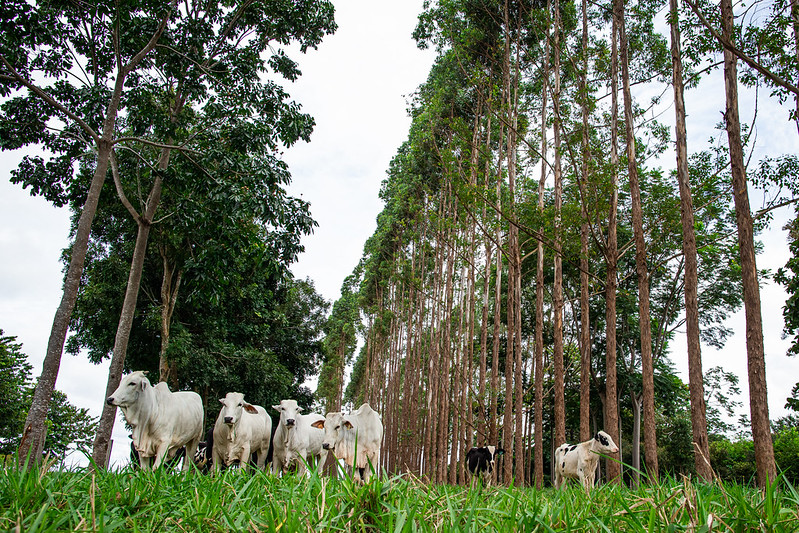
[(355, 438), (162, 421), (296, 441), (579, 461), (241, 429)]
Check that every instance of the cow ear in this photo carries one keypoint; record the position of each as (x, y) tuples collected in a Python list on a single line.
[(276, 407), (221, 400), (319, 424), (143, 384), (348, 424), (250, 408), (299, 409)]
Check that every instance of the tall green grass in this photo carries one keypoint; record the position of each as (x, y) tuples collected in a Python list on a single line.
[(79, 500)]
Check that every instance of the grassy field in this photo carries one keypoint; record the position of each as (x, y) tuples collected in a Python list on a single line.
[(128, 500)]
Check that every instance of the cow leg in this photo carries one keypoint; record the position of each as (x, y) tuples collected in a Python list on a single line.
[(277, 463), (160, 454), (217, 459), (322, 461), (260, 461), (188, 458), (244, 457), (302, 463)]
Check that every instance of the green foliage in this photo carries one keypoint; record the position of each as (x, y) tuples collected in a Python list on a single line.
[(68, 425), (234, 500)]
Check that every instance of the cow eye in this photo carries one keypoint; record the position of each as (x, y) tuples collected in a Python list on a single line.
[(239, 405), (337, 427)]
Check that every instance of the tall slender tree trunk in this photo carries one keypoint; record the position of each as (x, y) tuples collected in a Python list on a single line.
[(489, 250), (539, 285), (170, 285), (35, 430), (611, 257), (695, 379), (644, 320), (557, 290), (106, 423), (585, 309), (756, 363)]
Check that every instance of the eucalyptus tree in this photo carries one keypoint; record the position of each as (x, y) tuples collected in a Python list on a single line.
[(695, 379), (758, 393), (341, 337)]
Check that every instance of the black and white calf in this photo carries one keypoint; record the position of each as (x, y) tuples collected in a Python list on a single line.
[(579, 461), (480, 461)]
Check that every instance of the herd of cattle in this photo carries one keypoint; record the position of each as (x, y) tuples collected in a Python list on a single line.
[(168, 426)]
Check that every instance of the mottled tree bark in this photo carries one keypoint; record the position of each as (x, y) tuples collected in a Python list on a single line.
[(756, 363), (695, 374)]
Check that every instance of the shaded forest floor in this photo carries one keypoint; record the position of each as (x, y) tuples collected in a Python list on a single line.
[(128, 500)]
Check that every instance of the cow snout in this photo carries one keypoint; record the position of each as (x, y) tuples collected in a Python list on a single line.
[(110, 400), (228, 420), (326, 445), (290, 422)]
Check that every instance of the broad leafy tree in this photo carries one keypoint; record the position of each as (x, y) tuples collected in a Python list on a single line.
[(161, 64)]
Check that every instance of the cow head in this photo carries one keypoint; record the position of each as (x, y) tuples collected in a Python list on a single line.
[(334, 425), (605, 444), (129, 389), (288, 410), (233, 405)]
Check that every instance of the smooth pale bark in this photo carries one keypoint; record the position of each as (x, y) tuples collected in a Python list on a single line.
[(611, 258), (644, 320), (539, 293), (557, 290), (695, 374), (585, 325), (756, 363)]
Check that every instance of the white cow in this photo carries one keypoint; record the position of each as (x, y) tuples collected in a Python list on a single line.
[(241, 429), (296, 441), (579, 461), (355, 438), (162, 421)]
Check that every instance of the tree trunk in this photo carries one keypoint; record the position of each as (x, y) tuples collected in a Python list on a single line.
[(611, 257), (585, 310), (170, 285), (557, 290), (35, 429), (647, 369), (756, 363), (106, 423), (539, 287), (637, 402), (695, 379)]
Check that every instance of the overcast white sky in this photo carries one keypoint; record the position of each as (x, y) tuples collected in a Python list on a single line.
[(356, 86)]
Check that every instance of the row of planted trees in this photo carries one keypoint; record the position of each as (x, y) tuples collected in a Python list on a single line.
[(530, 246)]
